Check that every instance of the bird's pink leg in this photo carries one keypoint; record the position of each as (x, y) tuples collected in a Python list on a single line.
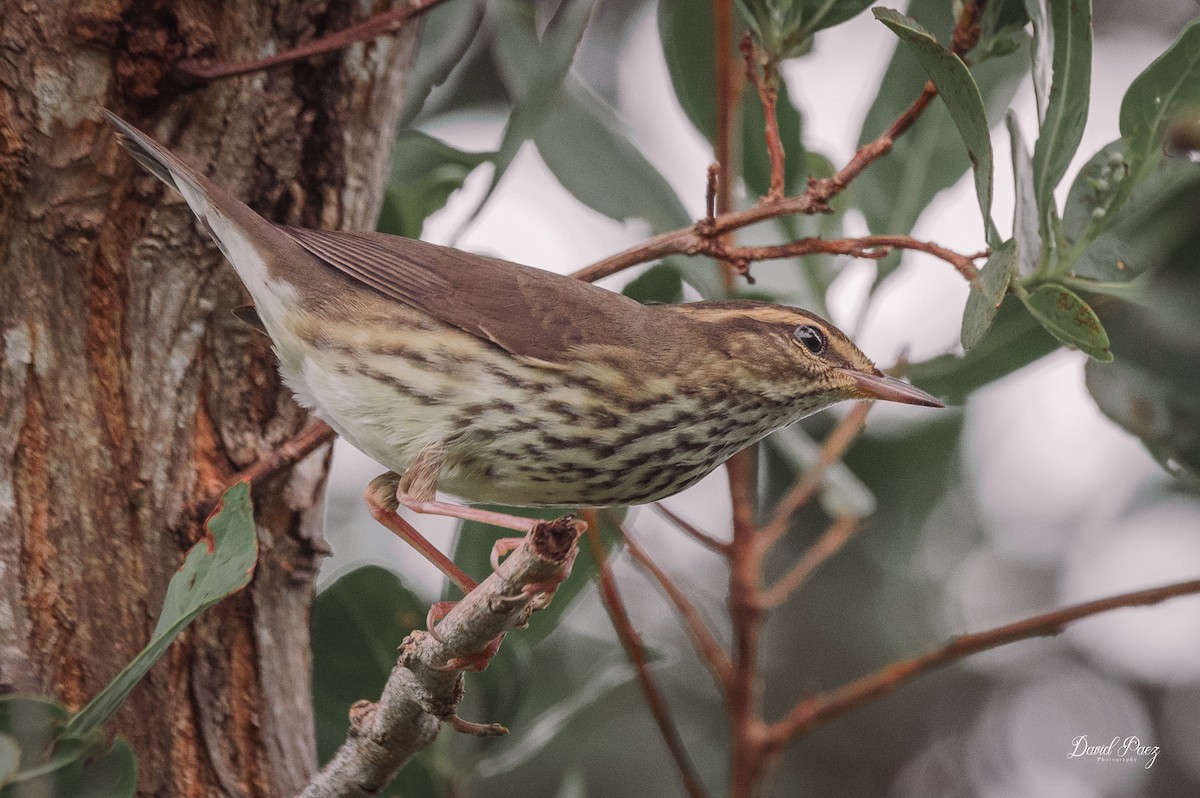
[(381, 500)]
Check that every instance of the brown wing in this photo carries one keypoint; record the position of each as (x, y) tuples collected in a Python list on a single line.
[(529, 312)]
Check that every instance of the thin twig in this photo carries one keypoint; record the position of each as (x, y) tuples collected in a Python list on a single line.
[(826, 706), (691, 240), (728, 93), (309, 439), (803, 490), (768, 95), (870, 247), (637, 655), (703, 538), (387, 23), (710, 650), (829, 544), (710, 193)]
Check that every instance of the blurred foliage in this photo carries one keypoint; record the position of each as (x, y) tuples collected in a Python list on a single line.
[(1109, 271), (39, 758)]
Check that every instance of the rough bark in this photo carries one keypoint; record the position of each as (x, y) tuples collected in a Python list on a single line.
[(127, 390)]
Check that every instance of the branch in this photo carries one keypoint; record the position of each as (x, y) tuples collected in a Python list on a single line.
[(829, 544), (710, 650), (691, 240), (768, 95), (806, 486), (425, 686), (728, 92), (309, 439), (871, 247), (829, 705), (387, 23), (703, 538), (633, 647)]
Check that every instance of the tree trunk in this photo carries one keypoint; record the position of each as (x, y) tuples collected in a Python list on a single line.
[(128, 392)]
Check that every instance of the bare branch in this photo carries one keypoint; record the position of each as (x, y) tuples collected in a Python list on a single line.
[(633, 647), (312, 437), (826, 706), (802, 492), (870, 247), (710, 650), (387, 23), (768, 94), (703, 538), (425, 686), (692, 240), (829, 544)]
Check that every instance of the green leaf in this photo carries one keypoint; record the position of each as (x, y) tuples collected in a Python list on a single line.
[(33, 728), (822, 14), (1092, 191), (958, 90), (685, 29), (1014, 340), (1001, 29), (896, 190), (33, 723), (1165, 415), (987, 293), (1069, 319), (1027, 229), (535, 734), (446, 34), (552, 61), (1152, 389), (1160, 213), (1063, 109), (582, 143), (219, 565), (1042, 48), (785, 29), (1172, 80), (425, 172), (658, 284), (357, 624)]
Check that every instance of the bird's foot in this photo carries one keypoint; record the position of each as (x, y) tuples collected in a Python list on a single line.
[(471, 662), (541, 592)]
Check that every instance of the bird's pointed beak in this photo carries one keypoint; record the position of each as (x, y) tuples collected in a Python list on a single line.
[(889, 389)]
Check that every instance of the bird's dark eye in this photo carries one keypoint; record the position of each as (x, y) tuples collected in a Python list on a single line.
[(812, 338)]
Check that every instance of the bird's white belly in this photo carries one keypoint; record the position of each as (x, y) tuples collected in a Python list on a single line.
[(371, 415)]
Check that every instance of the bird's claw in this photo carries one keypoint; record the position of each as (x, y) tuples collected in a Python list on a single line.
[(470, 662)]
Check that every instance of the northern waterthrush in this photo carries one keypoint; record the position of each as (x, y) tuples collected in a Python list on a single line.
[(501, 383)]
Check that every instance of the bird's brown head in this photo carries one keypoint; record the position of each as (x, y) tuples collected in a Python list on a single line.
[(790, 355)]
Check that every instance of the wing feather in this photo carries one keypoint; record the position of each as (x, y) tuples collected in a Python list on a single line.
[(529, 312)]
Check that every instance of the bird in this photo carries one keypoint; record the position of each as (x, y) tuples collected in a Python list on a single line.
[(499, 383)]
